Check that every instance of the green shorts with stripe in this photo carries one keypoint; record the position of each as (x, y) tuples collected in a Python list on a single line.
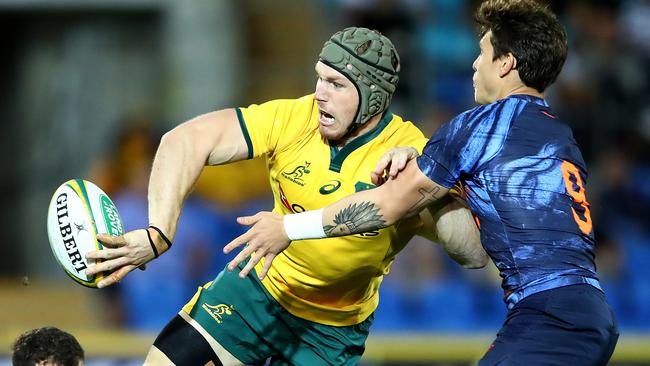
[(246, 320)]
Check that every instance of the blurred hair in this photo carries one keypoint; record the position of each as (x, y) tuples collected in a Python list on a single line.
[(531, 32), (48, 344)]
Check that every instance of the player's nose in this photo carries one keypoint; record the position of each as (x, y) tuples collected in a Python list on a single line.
[(320, 93)]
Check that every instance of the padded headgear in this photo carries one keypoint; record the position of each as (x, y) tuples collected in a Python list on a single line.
[(370, 61)]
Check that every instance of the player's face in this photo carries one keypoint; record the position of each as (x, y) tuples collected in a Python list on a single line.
[(486, 73), (337, 100)]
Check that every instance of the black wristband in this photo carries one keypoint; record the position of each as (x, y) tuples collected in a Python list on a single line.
[(169, 243), (153, 246)]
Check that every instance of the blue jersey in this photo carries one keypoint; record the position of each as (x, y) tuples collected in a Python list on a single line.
[(525, 181)]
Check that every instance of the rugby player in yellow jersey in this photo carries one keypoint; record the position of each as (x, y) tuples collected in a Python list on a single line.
[(316, 304)]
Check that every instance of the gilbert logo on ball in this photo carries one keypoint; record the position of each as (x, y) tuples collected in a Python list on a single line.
[(79, 210)]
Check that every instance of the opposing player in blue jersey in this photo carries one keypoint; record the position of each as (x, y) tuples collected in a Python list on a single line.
[(525, 180)]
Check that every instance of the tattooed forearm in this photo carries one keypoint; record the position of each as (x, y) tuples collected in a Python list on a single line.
[(354, 219), (427, 198)]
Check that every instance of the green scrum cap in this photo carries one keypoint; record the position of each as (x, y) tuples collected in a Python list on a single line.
[(370, 61)]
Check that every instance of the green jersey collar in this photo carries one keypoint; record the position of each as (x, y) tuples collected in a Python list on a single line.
[(338, 156)]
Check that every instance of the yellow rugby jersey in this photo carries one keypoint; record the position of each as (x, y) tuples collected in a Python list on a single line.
[(331, 281)]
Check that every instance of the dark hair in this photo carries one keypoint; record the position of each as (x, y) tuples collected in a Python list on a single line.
[(46, 344), (531, 32)]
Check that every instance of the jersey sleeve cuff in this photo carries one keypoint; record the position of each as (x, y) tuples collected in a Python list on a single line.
[(436, 171), (244, 130)]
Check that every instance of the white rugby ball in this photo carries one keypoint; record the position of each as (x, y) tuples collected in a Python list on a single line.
[(79, 210)]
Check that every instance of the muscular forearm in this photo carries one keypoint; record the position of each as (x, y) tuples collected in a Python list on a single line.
[(457, 232), (213, 138), (373, 209), (175, 169), (361, 212)]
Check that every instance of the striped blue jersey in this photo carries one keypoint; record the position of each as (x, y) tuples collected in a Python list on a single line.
[(525, 181)]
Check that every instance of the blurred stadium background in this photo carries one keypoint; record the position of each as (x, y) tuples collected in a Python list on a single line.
[(88, 86)]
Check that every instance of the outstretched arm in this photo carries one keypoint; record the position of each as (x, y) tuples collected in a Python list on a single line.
[(448, 221), (402, 196), (210, 139)]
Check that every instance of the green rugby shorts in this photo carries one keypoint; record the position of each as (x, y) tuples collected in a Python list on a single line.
[(246, 320)]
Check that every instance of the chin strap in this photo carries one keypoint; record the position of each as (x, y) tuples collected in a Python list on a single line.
[(355, 126), (352, 129)]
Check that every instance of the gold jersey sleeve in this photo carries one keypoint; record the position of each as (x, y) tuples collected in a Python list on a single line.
[(277, 124), (332, 281)]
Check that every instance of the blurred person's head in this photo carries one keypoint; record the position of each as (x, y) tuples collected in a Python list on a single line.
[(134, 150), (614, 165), (594, 22), (47, 346), (357, 76), (609, 256), (523, 46), (127, 165)]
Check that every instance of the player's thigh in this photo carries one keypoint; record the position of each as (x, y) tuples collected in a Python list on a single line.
[(185, 342), (245, 319), (568, 325), (240, 316), (322, 345), (156, 357)]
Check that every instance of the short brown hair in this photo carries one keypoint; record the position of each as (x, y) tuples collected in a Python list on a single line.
[(46, 344), (531, 32)]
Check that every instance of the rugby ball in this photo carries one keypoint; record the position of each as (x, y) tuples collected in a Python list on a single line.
[(79, 210)]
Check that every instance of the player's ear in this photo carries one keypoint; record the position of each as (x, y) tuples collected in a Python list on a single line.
[(508, 63)]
